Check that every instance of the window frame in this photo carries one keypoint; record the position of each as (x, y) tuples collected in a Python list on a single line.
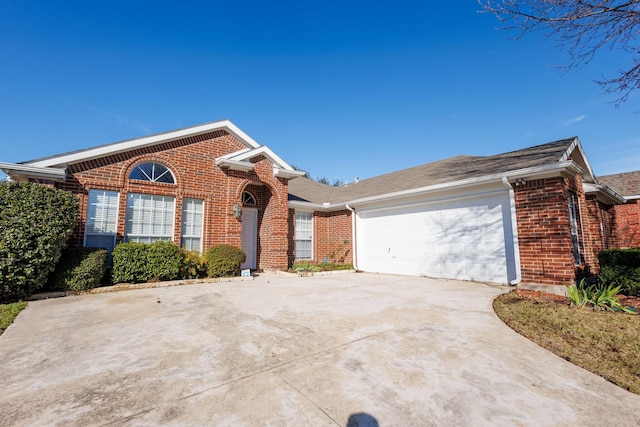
[(296, 236), (575, 223), (152, 178), (186, 215), (168, 223), (89, 224)]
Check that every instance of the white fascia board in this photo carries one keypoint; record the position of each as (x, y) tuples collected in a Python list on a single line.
[(234, 164), (33, 171), (308, 206), (604, 194), (268, 153), (122, 146), (578, 145), (288, 174), (568, 167)]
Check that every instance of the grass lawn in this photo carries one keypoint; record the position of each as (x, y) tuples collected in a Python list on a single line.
[(8, 313), (605, 343)]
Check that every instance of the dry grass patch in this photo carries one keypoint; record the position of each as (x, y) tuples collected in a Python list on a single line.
[(605, 343)]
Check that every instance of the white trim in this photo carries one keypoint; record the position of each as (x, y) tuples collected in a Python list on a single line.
[(33, 171), (127, 145), (577, 144), (604, 193), (234, 165)]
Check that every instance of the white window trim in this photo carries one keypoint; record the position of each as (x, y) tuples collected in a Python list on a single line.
[(113, 234), (311, 237), (182, 228), (128, 236)]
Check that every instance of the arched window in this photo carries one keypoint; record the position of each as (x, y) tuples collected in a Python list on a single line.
[(152, 172), (248, 199)]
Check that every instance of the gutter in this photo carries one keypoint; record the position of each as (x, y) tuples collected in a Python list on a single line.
[(353, 235), (567, 167), (514, 232)]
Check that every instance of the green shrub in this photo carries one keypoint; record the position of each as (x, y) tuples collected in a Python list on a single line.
[(164, 260), (79, 269), (193, 265), (35, 223), (140, 262), (224, 261), (621, 267)]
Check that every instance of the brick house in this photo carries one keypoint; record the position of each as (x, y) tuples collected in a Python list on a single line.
[(627, 216), (536, 215)]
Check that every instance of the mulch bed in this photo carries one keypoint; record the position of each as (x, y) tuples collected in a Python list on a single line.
[(548, 298)]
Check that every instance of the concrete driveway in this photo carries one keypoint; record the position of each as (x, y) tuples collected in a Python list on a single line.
[(282, 351)]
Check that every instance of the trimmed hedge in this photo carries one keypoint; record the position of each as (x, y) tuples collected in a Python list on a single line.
[(35, 223), (193, 265), (224, 261), (140, 262), (621, 267), (79, 269)]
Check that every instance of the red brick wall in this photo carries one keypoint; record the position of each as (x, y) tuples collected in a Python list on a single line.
[(192, 161), (330, 232), (627, 225), (544, 232)]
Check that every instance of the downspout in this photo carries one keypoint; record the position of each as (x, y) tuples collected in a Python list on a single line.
[(514, 232), (353, 234)]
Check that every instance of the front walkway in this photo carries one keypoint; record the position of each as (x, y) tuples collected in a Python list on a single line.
[(292, 351)]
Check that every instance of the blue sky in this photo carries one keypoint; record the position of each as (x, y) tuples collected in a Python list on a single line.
[(341, 89)]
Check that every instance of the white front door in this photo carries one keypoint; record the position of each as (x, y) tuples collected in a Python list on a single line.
[(249, 236)]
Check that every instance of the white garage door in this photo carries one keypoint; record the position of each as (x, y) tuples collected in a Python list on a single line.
[(469, 239)]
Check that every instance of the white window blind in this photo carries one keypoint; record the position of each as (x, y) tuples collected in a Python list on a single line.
[(191, 238), (102, 219), (304, 235), (149, 218)]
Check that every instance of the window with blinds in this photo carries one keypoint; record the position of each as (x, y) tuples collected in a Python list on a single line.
[(304, 235), (102, 219), (149, 218), (191, 235)]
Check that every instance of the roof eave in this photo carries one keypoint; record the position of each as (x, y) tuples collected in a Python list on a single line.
[(565, 169), (20, 172), (235, 165), (604, 194), (123, 146)]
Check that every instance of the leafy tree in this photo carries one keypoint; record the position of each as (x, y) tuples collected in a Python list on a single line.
[(35, 223), (581, 27)]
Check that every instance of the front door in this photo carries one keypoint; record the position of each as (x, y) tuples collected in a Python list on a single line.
[(250, 237)]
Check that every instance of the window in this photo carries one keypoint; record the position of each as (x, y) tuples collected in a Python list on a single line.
[(102, 219), (153, 172), (192, 224), (149, 218), (248, 199), (304, 235), (574, 213)]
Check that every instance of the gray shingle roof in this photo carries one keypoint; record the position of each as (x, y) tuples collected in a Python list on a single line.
[(626, 184), (443, 171)]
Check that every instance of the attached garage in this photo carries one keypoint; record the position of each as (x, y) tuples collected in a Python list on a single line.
[(463, 236)]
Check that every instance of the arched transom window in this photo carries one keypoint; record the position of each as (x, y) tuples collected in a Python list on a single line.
[(248, 199), (152, 172)]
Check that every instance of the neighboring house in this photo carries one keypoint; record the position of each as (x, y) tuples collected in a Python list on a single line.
[(627, 226), (536, 215)]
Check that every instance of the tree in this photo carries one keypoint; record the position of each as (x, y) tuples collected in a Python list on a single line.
[(581, 27)]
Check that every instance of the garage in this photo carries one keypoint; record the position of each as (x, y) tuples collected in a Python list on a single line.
[(466, 237)]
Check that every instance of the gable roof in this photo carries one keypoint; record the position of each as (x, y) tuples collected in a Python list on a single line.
[(53, 167), (554, 158), (627, 184)]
